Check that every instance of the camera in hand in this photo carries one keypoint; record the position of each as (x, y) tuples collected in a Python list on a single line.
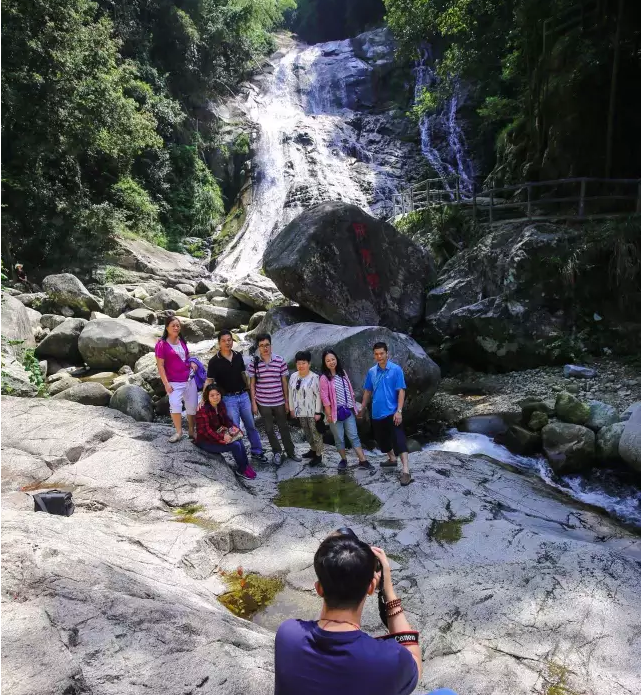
[(382, 611)]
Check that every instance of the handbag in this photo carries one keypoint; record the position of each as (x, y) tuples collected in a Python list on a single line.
[(234, 437), (54, 502), (343, 412)]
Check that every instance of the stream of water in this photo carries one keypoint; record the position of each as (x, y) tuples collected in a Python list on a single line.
[(602, 488)]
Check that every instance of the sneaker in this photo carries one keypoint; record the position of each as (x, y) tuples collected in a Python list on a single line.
[(316, 461), (365, 465), (277, 459), (260, 458), (405, 478), (249, 473), (342, 465), (175, 438), (389, 464), (295, 457), (310, 454)]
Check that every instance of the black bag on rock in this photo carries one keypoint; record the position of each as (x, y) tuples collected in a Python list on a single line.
[(54, 502)]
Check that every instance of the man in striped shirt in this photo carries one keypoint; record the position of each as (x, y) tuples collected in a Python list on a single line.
[(269, 395)]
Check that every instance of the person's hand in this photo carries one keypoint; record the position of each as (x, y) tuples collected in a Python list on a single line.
[(193, 366), (201, 403), (292, 414), (317, 417), (227, 438), (233, 430), (169, 389), (255, 409), (329, 420), (386, 569), (398, 418), (359, 414)]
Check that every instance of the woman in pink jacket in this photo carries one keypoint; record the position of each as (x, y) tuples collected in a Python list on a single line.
[(337, 396)]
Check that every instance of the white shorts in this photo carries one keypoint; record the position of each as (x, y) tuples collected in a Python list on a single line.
[(183, 391)]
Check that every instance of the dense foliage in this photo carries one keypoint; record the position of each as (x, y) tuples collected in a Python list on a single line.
[(329, 20), (538, 77), (105, 125)]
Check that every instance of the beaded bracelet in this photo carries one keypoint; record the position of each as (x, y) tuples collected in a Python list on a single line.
[(397, 612), (393, 604)]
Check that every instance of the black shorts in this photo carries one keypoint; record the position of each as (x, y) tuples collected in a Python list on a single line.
[(390, 436)]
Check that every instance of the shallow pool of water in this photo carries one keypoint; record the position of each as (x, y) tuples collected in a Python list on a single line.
[(338, 493)]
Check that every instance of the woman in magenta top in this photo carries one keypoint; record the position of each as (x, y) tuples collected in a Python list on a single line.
[(172, 358), (336, 392)]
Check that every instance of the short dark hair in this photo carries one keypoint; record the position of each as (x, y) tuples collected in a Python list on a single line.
[(263, 336), (303, 356), (345, 567), (339, 365), (224, 331), (380, 346)]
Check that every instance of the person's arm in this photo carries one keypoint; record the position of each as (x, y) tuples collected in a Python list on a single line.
[(398, 415), (283, 378), (291, 398), (252, 394), (160, 362), (318, 408), (364, 402), (398, 622)]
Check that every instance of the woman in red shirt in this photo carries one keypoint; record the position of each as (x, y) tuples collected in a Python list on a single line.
[(215, 430)]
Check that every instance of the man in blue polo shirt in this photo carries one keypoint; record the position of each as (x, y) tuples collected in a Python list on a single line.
[(385, 385)]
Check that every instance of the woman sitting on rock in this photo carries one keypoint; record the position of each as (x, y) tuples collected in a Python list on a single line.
[(216, 433), (172, 357), (337, 396)]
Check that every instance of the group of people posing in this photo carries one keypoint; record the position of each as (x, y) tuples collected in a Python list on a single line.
[(236, 393)]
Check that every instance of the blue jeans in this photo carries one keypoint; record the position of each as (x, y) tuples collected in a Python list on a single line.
[(240, 408), (236, 449), (346, 427)]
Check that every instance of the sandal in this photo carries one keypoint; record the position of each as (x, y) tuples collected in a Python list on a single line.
[(175, 438), (405, 478)]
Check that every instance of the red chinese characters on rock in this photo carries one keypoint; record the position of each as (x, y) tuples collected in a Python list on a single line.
[(370, 276), (360, 230)]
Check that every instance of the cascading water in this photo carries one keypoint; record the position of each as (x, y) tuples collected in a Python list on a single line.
[(317, 141), (442, 140)]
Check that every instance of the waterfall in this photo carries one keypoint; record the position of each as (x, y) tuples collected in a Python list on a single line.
[(442, 140), (317, 141)]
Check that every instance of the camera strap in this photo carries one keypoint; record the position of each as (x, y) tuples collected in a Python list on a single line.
[(407, 637)]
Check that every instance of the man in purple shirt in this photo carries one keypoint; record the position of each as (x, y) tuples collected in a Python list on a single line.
[(332, 655)]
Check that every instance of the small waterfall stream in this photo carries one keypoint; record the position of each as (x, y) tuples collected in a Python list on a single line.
[(318, 140)]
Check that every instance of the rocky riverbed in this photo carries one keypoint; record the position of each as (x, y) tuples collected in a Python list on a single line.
[(515, 590)]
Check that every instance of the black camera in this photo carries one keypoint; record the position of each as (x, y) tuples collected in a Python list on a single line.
[(382, 611)]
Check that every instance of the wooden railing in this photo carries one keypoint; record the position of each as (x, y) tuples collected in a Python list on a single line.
[(575, 198)]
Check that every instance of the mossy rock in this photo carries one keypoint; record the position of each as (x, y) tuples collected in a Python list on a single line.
[(570, 409), (538, 421)]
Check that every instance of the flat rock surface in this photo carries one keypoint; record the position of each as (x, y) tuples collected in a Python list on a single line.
[(526, 590)]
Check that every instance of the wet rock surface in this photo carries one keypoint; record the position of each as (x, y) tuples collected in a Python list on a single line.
[(507, 581)]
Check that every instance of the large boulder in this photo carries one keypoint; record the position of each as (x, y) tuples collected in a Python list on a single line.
[(63, 384), (142, 316), (118, 301), (87, 394), (256, 290), (16, 324), (195, 330), (607, 441), (350, 268), (62, 341), (570, 409), (112, 343), (203, 286), (354, 347), (133, 401), (65, 290), (167, 299), (284, 316), (226, 302), (569, 448), (504, 303), (16, 380), (601, 415), (630, 442), (51, 321), (220, 316)]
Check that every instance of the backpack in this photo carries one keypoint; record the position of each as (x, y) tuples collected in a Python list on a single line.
[(200, 374)]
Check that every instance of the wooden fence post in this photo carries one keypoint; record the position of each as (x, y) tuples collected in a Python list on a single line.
[(529, 201), (582, 199)]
